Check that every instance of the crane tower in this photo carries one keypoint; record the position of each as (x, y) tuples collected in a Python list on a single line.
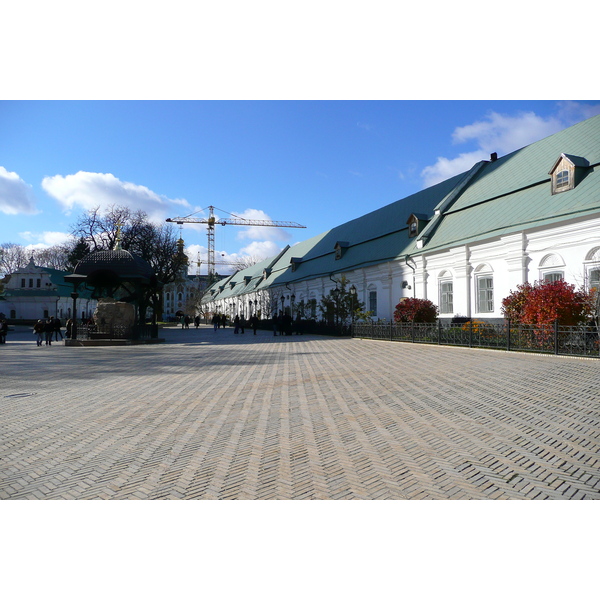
[(211, 221)]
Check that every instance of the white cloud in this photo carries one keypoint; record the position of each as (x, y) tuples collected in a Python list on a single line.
[(503, 134), (261, 250), (88, 190), (447, 167), (46, 238), (16, 196)]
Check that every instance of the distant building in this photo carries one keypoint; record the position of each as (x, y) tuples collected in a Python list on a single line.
[(41, 292), (464, 243), (183, 295)]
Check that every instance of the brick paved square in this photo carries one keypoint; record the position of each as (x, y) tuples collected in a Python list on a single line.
[(211, 415)]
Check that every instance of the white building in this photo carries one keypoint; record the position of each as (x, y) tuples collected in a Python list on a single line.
[(40, 292), (464, 243)]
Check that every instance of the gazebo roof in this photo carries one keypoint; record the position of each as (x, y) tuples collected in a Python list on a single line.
[(122, 263)]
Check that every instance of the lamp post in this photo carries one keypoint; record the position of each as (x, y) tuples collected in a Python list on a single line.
[(293, 299), (74, 295), (250, 308), (282, 301)]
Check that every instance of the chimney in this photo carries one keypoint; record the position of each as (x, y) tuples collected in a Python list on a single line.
[(494, 156)]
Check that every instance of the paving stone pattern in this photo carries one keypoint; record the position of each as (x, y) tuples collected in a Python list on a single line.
[(214, 415)]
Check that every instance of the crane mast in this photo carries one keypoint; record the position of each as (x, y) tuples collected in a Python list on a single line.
[(211, 221)]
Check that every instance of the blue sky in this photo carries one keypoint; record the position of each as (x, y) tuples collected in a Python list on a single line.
[(317, 163)]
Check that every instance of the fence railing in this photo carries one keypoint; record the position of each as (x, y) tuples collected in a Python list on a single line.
[(551, 339), (114, 332)]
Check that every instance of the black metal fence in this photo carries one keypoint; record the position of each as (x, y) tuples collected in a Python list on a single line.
[(550, 339), (114, 332)]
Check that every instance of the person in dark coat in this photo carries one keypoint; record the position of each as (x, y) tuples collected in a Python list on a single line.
[(57, 331), (254, 323), (299, 325), (49, 330), (38, 330), (275, 324), (223, 321), (236, 324), (242, 323)]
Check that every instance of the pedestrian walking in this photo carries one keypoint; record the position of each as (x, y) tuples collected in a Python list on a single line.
[(254, 323), (197, 321), (48, 331), (215, 321), (236, 324), (223, 321), (275, 323), (38, 331), (242, 323), (57, 331)]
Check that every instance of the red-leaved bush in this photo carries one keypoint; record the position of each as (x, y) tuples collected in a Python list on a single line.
[(546, 301), (415, 309)]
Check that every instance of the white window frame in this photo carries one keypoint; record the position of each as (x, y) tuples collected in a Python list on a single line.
[(446, 297), (553, 276), (485, 305), (444, 303)]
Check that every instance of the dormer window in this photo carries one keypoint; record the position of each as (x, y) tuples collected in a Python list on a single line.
[(567, 172), (416, 223), (295, 262), (340, 249)]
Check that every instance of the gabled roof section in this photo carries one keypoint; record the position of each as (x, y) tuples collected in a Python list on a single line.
[(576, 161)]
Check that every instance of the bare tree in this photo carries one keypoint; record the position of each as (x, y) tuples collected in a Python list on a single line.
[(243, 262), (12, 257)]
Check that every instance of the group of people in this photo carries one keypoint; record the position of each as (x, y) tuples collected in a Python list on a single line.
[(219, 321), (186, 320), (285, 325), (46, 329)]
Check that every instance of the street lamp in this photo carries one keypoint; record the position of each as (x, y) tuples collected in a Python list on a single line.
[(250, 308), (293, 299), (282, 301), (74, 295)]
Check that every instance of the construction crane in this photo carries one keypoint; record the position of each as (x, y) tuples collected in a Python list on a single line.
[(211, 221)]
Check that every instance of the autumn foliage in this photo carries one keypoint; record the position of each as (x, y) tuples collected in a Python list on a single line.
[(546, 301), (415, 309)]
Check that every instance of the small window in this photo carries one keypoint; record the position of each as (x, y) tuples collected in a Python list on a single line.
[(39, 283), (594, 279), (31, 283), (446, 297), (413, 229), (22, 282), (562, 179)]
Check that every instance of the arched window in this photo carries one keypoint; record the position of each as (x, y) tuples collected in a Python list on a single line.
[(550, 268)]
